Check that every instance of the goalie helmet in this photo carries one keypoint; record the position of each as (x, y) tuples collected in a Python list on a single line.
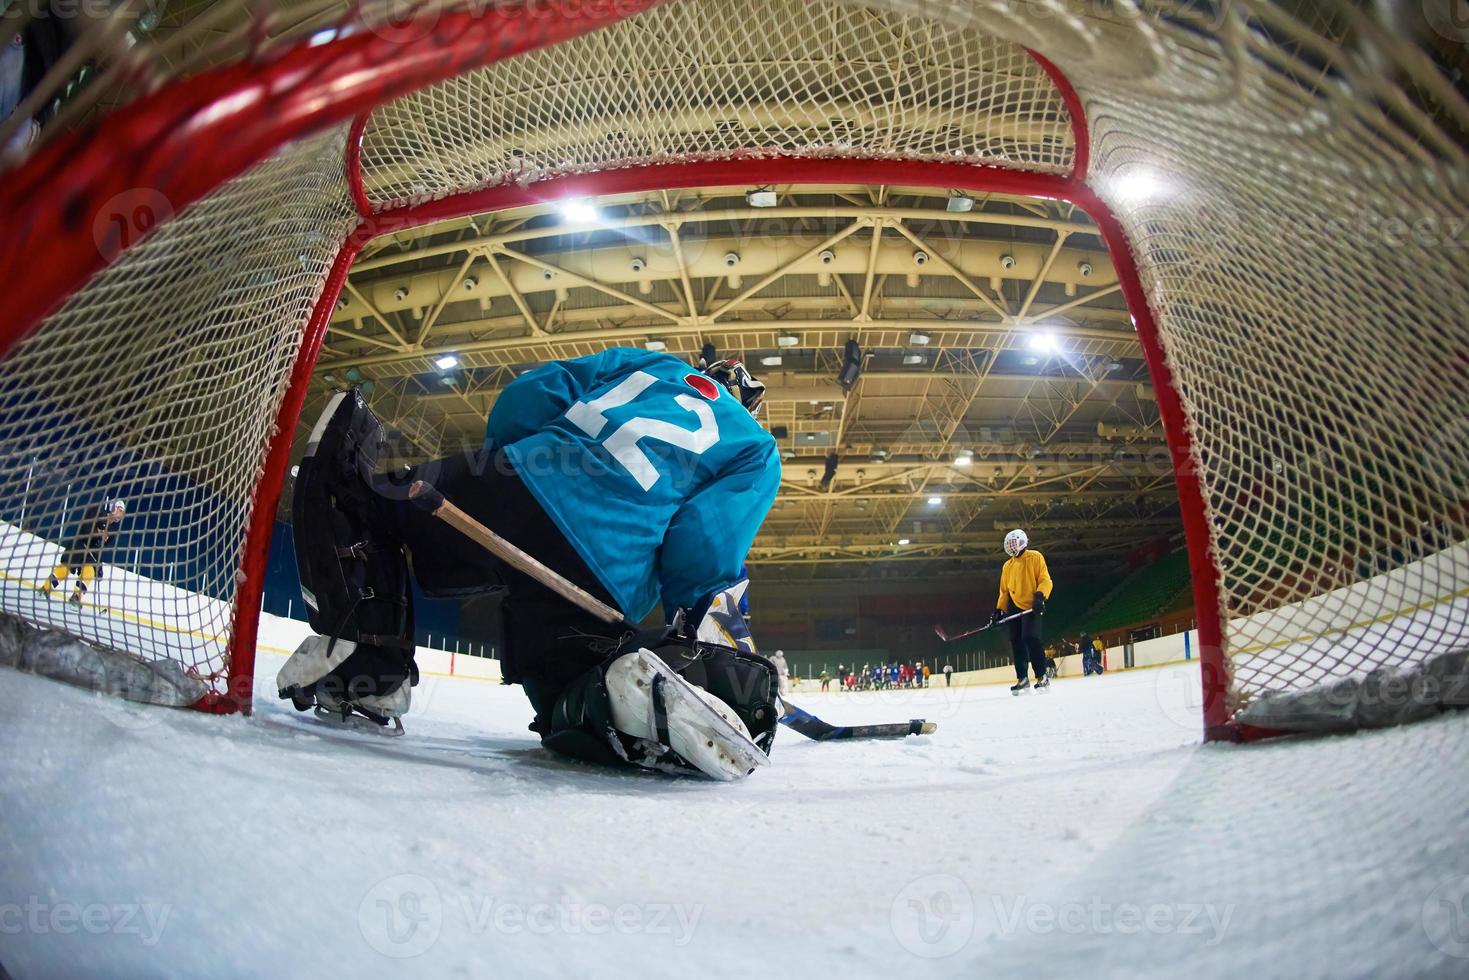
[(117, 506), (1016, 542), (735, 377)]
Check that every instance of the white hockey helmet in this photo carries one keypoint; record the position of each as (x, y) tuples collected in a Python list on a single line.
[(117, 506), (1016, 542)]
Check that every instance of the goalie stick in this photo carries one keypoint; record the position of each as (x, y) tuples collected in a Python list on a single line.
[(425, 496), (978, 629), (814, 728)]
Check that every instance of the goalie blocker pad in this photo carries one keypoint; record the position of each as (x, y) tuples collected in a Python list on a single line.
[(354, 574), (581, 723)]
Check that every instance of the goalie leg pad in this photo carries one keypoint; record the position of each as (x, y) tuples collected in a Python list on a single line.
[(635, 710), (665, 715), (354, 575), (746, 682)]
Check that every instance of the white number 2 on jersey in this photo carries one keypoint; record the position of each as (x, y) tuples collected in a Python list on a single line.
[(591, 418)]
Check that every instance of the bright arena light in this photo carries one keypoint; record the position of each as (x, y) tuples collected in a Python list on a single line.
[(1138, 185), (579, 211), (446, 362), (1044, 342), (935, 501)]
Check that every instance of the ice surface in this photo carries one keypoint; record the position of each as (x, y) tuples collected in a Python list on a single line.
[(1084, 832)]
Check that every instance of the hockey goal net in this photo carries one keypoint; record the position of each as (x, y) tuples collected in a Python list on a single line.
[(1283, 189)]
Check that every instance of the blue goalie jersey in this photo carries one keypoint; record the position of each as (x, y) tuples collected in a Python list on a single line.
[(657, 475)]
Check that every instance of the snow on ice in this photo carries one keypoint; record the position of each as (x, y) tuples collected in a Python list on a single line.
[(1081, 832)]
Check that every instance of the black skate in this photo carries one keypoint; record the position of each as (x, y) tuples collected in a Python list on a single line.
[(1043, 684), (359, 686), (1016, 688)]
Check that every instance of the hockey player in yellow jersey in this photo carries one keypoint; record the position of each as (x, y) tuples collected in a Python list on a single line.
[(84, 556), (1025, 584)]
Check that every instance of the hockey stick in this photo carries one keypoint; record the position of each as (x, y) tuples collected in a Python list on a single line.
[(426, 497), (979, 629), (814, 728)]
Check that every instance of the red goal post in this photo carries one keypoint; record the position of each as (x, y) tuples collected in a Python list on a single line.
[(192, 143)]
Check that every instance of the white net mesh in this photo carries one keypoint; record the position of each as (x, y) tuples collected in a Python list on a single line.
[(158, 385), (707, 80), (1293, 185)]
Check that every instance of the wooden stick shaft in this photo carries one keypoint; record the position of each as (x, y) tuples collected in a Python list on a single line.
[(509, 554)]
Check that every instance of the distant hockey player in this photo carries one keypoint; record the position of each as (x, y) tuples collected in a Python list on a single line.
[(783, 670), (84, 556), (1025, 583), (948, 675), (1091, 654), (631, 474)]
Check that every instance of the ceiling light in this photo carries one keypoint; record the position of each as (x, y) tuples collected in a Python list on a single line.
[(1030, 361), (772, 361), (762, 197), (935, 501), (1044, 341), (787, 340), (913, 359), (579, 211), (964, 457), (446, 362), (904, 541), (918, 338), (959, 203), (445, 379), (655, 345), (1139, 184)]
